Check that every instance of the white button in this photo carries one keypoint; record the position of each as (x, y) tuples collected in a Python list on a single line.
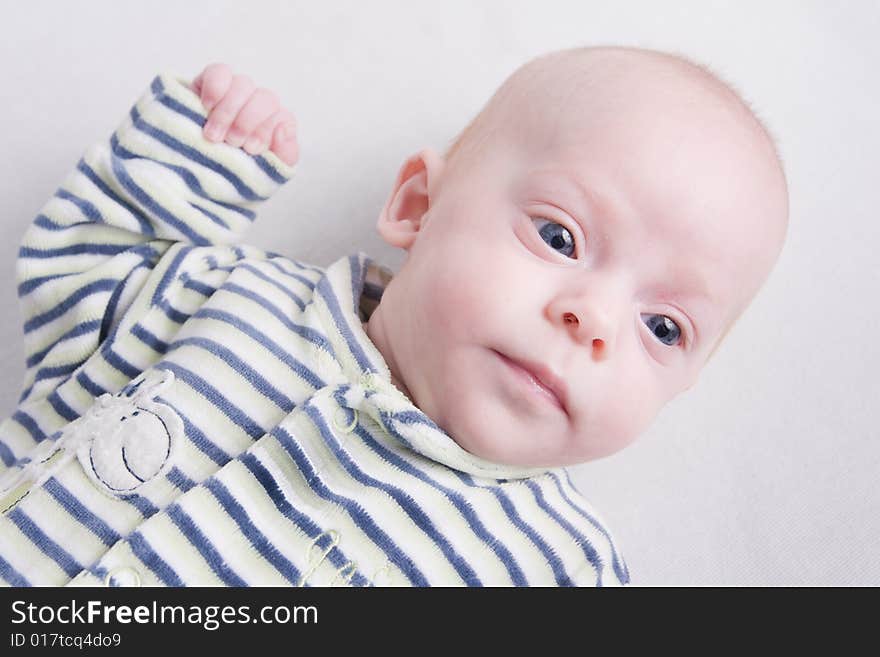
[(339, 420), (128, 451), (123, 576)]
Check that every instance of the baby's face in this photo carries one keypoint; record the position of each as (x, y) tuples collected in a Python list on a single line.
[(603, 255)]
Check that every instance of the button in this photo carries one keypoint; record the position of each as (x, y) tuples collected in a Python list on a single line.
[(128, 450), (123, 576), (368, 381), (340, 418)]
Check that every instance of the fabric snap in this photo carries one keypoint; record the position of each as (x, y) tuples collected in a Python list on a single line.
[(124, 576), (368, 381), (340, 417)]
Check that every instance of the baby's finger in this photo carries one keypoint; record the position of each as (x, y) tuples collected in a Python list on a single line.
[(212, 84), (261, 137), (284, 142), (260, 106), (224, 113)]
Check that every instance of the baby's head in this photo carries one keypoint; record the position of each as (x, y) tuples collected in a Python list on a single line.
[(602, 223)]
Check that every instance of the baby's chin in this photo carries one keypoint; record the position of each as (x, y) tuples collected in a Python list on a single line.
[(503, 438), (487, 429), (474, 400)]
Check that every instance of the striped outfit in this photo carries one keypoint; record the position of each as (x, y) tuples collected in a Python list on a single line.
[(200, 413)]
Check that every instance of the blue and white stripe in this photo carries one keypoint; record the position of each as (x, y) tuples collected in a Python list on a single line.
[(298, 462)]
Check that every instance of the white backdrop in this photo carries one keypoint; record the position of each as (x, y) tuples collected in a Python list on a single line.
[(766, 473)]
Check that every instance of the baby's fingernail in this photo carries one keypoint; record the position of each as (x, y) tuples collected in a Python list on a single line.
[(234, 138), (253, 146), (213, 132)]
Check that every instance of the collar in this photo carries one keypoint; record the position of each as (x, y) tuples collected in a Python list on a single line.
[(345, 296)]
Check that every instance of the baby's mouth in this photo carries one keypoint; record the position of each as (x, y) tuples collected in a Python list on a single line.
[(540, 380)]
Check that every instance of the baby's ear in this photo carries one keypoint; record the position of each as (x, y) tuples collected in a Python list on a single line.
[(401, 218)]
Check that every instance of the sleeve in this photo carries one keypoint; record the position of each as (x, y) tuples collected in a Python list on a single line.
[(154, 183)]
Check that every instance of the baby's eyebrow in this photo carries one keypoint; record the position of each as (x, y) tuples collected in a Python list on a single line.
[(688, 283), (560, 182)]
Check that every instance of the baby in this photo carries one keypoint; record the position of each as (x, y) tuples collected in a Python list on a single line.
[(197, 412)]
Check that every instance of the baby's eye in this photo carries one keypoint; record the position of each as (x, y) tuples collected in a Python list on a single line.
[(663, 328), (556, 235)]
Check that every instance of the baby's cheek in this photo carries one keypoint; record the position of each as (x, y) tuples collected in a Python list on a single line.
[(459, 303), (620, 416)]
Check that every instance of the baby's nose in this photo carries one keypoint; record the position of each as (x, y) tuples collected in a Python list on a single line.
[(595, 331)]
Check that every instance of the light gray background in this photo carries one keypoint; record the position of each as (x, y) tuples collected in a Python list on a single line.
[(766, 472)]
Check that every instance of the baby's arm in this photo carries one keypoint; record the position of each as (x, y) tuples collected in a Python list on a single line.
[(157, 181)]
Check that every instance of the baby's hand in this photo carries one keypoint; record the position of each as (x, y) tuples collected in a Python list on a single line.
[(244, 115)]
